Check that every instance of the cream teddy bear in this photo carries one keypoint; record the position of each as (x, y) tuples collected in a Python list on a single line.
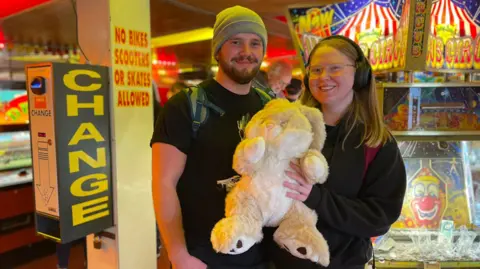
[(280, 133)]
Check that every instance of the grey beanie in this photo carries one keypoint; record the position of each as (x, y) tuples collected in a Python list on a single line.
[(236, 20)]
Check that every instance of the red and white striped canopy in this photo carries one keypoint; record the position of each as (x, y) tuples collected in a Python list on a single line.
[(446, 12), (371, 17)]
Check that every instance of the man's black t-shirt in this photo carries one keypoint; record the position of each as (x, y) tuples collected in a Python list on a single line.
[(209, 159)]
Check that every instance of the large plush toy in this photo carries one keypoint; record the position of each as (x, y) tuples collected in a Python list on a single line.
[(280, 133)]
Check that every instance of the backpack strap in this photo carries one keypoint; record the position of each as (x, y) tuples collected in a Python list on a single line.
[(264, 97), (370, 154), (200, 107)]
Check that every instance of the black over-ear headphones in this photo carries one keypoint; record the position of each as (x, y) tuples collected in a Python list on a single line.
[(363, 72)]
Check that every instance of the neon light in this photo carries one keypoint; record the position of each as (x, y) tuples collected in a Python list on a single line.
[(457, 53), (186, 37)]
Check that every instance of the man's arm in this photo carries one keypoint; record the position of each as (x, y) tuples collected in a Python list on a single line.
[(168, 163)]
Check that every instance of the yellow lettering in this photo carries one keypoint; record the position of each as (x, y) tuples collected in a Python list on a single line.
[(97, 206), (326, 19), (69, 80), (100, 185), (93, 133), (74, 158), (314, 18), (303, 24), (73, 105)]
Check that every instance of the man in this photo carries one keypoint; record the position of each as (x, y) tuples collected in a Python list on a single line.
[(279, 75), (261, 82), (293, 90), (176, 88), (188, 198)]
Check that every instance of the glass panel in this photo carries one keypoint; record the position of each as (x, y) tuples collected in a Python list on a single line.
[(15, 150), (15, 153), (441, 206), (432, 108), (439, 179)]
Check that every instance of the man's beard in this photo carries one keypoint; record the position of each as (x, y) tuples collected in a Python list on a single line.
[(239, 76)]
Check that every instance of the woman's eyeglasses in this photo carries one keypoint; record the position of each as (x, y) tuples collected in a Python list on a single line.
[(331, 69)]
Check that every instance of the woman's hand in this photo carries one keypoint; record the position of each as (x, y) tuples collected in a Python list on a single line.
[(187, 261), (301, 188)]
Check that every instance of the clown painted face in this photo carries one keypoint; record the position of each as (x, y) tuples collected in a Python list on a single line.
[(427, 202)]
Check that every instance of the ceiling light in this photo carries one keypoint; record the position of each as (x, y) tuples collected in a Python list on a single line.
[(191, 36)]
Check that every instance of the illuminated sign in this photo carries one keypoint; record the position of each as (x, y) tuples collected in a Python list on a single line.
[(457, 53), (380, 30), (419, 22), (78, 160), (454, 42), (387, 53), (315, 21), (309, 25)]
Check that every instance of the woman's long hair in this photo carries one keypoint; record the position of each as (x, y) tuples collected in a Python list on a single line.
[(364, 108)]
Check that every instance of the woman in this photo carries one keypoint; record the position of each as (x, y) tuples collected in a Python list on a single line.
[(357, 202)]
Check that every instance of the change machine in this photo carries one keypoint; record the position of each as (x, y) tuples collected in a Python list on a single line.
[(70, 138)]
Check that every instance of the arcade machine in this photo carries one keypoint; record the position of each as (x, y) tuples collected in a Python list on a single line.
[(426, 56), (17, 227)]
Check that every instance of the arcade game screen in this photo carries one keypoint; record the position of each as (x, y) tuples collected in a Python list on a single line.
[(432, 108), (13, 107)]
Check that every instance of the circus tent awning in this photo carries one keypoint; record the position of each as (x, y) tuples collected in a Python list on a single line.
[(446, 12), (373, 16)]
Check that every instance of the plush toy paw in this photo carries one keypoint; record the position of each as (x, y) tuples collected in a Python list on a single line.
[(315, 168), (254, 149), (304, 243), (235, 235)]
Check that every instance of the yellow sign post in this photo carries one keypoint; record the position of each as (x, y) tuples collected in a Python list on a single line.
[(116, 33)]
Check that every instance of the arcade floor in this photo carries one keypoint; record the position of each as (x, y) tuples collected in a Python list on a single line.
[(46, 259), (50, 262)]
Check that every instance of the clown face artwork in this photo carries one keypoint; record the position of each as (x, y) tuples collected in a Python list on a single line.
[(427, 201), (437, 187)]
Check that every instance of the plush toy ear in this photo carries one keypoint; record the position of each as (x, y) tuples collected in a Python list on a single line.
[(315, 117)]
